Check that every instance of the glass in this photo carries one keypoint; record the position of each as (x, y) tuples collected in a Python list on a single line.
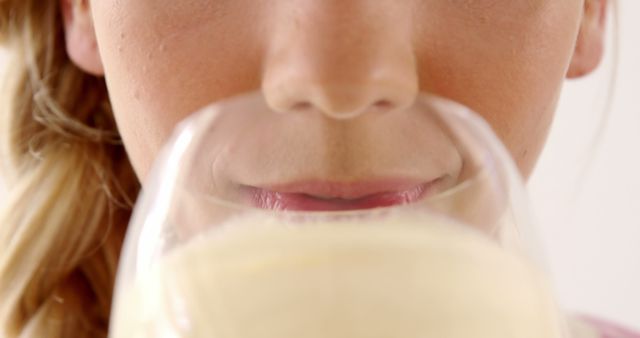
[(408, 222)]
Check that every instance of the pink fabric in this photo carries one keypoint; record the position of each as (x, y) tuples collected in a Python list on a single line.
[(609, 330)]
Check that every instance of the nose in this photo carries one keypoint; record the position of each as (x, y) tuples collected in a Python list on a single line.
[(342, 62)]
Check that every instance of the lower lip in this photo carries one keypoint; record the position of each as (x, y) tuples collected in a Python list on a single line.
[(308, 201)]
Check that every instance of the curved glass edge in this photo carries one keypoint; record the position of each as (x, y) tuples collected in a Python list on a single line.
[(148, 218)]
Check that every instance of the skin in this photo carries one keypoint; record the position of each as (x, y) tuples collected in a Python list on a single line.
[(505, 59)]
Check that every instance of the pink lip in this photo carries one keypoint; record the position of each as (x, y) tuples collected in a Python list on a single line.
[(335, 196)]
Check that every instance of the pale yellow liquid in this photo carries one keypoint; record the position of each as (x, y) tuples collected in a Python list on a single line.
[(410, 277)]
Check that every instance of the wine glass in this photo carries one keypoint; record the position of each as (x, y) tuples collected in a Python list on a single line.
[(407, 222)]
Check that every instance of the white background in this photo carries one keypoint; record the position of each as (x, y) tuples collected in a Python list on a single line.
[(590, 224)]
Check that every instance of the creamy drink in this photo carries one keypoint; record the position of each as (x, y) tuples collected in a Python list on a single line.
[(398, 276)]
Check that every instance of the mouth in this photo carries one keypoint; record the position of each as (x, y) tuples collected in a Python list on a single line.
[(338, 196)]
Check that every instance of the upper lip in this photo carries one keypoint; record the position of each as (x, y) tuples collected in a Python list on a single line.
[(347, 190)]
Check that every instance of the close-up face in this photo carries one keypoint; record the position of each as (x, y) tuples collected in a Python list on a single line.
[(505, 59)]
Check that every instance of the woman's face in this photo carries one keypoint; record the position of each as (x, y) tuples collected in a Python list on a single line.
[(505, 59)]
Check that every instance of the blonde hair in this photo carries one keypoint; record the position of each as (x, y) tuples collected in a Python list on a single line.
[(70, 184)]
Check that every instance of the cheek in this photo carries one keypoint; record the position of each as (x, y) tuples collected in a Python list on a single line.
[(163, 63), (510, 69)]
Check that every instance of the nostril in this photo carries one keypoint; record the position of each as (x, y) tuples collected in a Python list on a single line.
[(383, 105), (301, 106)]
